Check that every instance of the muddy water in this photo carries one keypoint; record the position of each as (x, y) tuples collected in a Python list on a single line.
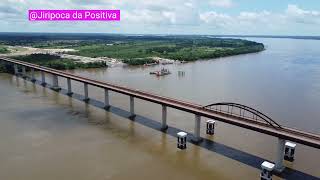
[(50, 136)]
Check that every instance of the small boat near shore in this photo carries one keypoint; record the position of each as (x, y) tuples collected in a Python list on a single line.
[(162, 72)]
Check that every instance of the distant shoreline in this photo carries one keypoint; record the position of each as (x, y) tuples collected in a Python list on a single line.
[(199, 35), (265, 36)]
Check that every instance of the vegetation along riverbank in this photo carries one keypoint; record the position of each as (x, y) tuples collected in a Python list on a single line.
[(132, 50), (53, 61)]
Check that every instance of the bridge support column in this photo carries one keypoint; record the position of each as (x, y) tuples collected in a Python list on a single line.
[(106, 99), (196, 135), (69, 87), (15, 67), (43, 78), (132, 115), (164, 125), (279, 167), (55, 83), (86, 93), (24, 74), (33, 79)]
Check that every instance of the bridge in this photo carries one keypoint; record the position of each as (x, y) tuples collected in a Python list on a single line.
[(230, 113)]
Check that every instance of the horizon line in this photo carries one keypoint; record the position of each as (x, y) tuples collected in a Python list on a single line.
[(157, 34)]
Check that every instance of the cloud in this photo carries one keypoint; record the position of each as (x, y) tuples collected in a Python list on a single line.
[(222, 3), (179, 12), (163, 16), (298, 15), (216, 19), (146, 16), (252, 22), (243, 18)]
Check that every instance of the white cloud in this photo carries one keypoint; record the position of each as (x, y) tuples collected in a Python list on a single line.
[(163, 16), (188, 4), (145, 16), (222, 3), (298, 15), (296, 11), (253, 16), (216, 19), (174, 12), (244, 18)]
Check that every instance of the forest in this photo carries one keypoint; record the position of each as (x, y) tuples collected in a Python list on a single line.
[(139, 52)]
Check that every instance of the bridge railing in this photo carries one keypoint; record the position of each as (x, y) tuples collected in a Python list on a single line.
[(242, 111)]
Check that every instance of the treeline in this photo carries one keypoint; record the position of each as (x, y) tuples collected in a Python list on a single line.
[(182, 49), (189, 54), (138, 61), (134, 50)]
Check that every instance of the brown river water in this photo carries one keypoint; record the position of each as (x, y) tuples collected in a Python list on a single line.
[(46, 135)]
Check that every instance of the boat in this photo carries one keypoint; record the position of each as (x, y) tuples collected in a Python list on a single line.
[(162, 72)]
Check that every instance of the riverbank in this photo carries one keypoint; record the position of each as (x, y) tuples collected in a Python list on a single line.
[(146, 51), (136, 50), (53, 61), (14, 51)]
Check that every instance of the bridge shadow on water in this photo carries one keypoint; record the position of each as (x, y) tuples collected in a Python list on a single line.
[(227, 151)]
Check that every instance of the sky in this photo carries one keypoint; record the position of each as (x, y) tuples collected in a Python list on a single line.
[(210, 17)]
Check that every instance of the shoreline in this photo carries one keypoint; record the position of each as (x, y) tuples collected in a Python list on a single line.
[(110, 62)]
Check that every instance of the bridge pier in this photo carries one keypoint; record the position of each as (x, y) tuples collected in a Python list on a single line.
[(266, 170), (69, 87), (182, 140), (43, 78), (132, 115), (86, 93), (15, 67), (106, 99), (279, 167), (210, 127), (289, 151), (55, 83), (196, 135), (33, 79), (164, 125), (24, 74)]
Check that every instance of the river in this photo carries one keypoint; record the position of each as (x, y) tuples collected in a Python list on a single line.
[(49, 136)]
